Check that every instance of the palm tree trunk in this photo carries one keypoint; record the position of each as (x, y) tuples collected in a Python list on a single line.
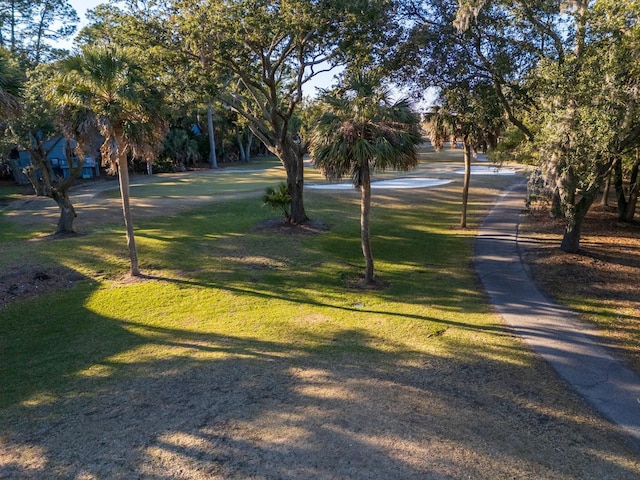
[(465, 186), (123, 177), (365, 209)]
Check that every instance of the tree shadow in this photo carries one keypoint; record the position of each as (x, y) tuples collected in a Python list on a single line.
[(218, 406), (129, 400)]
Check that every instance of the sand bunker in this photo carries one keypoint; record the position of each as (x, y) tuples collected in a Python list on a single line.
[(481, 170), (412, 182)]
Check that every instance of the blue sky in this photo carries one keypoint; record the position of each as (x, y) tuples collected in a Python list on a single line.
[(82, 6)]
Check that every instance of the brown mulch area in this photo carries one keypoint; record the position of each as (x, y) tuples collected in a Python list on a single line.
[(601, 281), (27, 282)]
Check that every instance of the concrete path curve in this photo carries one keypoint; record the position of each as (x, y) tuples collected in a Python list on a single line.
[(557, 334)]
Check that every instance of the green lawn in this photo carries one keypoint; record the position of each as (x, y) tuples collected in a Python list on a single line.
[(216, 273), (253, 341)]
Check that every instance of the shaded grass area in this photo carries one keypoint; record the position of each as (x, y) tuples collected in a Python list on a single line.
[(246, 354), (603, 277), (10, 191)]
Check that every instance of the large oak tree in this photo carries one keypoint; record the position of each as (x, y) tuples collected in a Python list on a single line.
[(257, 56), (559, 73)]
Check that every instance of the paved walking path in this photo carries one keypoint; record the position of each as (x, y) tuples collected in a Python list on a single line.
[(568, 344)]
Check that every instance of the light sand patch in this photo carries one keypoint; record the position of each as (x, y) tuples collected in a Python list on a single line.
[(482, 170), (396, 183)]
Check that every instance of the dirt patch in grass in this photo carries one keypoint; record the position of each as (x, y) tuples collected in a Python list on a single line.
[(601, 282), (26, 282)]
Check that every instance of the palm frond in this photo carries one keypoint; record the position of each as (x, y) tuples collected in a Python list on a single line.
[(362, 127), (102, 88)]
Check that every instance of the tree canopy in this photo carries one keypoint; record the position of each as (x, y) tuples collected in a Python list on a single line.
[(31, 28), (256, 57), (559, 72)]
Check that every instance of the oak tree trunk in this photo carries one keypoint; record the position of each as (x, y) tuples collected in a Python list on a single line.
[(632, 203), (574, 217), (292, 159), (604, 201), (67, 212), (627, 205)]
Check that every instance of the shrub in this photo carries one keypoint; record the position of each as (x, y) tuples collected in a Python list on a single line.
[(278, 198)]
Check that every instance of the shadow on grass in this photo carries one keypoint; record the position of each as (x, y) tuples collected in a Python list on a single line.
[(202, 405), (115, 398), (44, 341)]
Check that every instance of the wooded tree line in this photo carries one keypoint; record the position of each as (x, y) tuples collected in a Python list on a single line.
[(552, 82), (556, 81)]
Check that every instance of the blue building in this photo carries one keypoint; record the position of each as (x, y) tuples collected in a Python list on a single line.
[(57, 156)]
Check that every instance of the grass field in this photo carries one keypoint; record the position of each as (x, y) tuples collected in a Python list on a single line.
[(280, 360)]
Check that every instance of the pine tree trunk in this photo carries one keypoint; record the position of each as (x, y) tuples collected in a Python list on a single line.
[(213, 160), (365, 209), (465, 186), (123, 177), (241, 150)]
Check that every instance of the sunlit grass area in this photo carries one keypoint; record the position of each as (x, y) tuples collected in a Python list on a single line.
[(213, 270), (232, 179), (254, 176), (215, 273)]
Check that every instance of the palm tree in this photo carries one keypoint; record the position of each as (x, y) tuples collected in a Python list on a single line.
[(362, 131), (102, 89), (443, 124), (440, 126), (472, 115)]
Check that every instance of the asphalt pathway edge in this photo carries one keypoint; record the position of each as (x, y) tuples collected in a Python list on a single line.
[(570, 345)]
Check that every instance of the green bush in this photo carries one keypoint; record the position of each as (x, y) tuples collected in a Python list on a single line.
[(278, 198)]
